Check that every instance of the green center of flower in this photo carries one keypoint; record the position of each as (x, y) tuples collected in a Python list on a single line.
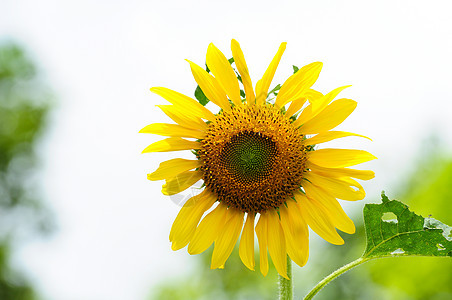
[(248, 156)]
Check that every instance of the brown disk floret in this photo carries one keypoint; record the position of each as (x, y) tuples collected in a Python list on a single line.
[(252, 158)]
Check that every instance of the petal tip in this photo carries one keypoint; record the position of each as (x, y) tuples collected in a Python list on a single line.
[(211, 47), (285, 276), (145, 150), (153, 177), (338, 242), (319, 64), (175, 246)]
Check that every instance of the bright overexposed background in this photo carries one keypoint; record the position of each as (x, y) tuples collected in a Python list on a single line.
[(101, 58)]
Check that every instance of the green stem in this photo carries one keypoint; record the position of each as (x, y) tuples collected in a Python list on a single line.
[(333, 275), (285, 285)]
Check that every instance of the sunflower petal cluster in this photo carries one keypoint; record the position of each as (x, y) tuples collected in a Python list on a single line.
[(263, 176)]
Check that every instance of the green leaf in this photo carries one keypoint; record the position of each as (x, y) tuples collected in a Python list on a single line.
[(238, 76), (275, 90), (295, 69), (199, 95), (408, 235)]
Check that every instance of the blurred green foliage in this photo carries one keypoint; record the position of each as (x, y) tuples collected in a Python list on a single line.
[(427, 191), (12, 285), (24, 107), (233, 282)]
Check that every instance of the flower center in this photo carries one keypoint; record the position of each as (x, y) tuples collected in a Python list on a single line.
[(248, 156), (252, 158)]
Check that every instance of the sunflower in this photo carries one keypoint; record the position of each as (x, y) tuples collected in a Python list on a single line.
[(257, 159)]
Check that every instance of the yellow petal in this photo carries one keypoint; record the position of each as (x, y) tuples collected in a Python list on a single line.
[(208, 230), (210, 87), (181, 182), (328, 136), (341, 172), (171, 144), (295, 106), (263, 85), (296, 232), (313, 95), (261, 232), (173, 167), (339, 158), (223, 72), (246, 248), (317, 105), (338, 187), (227, 239), (277, 243), (304, 116), (184, 225), (327, 203), (351, 182), (297, 84), (172, 130), (317, 218), (240, 63), (178, 115), (191, 105), (333, 115)]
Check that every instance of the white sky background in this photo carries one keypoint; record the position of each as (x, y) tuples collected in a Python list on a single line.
[(101, 58)]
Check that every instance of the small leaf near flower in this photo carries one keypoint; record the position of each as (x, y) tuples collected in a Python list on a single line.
[(199, 95), (275, 90)]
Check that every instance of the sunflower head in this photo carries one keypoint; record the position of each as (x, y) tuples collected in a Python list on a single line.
[(258, 160)]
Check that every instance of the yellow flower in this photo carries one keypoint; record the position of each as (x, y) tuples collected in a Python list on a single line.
[(258, 163)]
